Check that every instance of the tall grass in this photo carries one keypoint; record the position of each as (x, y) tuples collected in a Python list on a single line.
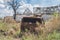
[(51, 36), (50, 30)]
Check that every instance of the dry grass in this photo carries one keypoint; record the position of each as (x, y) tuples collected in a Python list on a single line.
[(10, 29), (9, 19), (52, 24), (13, 29), (50, 31)]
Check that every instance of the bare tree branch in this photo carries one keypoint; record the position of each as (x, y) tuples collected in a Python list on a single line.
[(14, 5)]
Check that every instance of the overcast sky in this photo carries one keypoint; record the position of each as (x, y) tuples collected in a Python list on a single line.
[(43, 2), (32, 2)]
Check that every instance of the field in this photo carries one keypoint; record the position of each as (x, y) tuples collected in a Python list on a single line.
[(11, 31)]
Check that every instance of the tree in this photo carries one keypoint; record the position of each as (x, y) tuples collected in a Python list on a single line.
[(14, 4)]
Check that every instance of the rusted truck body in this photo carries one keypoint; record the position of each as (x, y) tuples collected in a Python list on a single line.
[(29, 23)]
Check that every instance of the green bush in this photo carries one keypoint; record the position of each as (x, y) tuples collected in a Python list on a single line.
[(54, 36), (55, 14)]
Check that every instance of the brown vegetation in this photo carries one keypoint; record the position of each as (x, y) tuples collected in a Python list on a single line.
[(9, 19), (51, 25)]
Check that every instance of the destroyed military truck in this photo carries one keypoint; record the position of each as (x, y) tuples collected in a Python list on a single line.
[(31, 23)]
